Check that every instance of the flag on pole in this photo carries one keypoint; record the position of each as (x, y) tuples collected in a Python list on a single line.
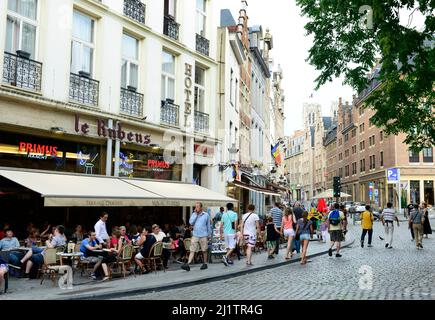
[(236, 172), (276, 153)]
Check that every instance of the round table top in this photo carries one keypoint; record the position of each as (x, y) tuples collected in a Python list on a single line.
[(71, 254)]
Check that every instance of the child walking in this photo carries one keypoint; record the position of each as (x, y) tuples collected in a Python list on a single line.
[(271, 237)]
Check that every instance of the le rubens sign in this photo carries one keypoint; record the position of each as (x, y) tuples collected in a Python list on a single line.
[(114, 133)]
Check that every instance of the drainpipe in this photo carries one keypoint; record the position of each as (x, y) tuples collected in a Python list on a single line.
[(117, 151)]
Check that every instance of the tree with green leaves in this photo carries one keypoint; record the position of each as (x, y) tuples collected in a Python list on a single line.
[(350, 35)]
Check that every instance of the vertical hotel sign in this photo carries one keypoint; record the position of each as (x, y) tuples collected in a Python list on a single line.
[(187, 88)]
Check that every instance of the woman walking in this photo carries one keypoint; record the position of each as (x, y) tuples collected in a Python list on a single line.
[(427, 229), (305, 229), (288, 221)]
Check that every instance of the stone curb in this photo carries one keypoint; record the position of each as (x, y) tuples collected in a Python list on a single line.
[(182, 284)]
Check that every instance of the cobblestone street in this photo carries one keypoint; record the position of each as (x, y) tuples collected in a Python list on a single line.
[(362, 273)]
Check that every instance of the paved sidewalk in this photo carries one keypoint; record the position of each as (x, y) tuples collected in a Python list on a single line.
[(23, 289)]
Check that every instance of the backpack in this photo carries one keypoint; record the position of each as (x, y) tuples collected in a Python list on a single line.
[(334, 218)]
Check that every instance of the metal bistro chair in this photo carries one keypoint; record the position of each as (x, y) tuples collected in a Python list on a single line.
[(155, 257), (124, 258), (50, 265), (85, 266)]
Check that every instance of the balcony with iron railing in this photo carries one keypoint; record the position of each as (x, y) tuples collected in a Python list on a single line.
[(131, 102), (83, 89), (202, 45), (21, 71), (171, 27), (135, 10), (169, 113), (202, 122)]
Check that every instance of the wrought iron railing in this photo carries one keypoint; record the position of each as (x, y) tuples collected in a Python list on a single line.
[(135, 9), (169, 113), (202, 45), (170, 27), (131, 102), (83, 89), (22, 72), (201, 122)]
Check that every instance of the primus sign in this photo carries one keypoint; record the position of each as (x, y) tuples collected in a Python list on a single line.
[(112, 133)]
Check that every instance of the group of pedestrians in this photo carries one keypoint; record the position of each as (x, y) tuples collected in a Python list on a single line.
[(418, 223), (291, 223)]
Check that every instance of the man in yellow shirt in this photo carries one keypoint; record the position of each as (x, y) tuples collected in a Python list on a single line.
[(367, 226)]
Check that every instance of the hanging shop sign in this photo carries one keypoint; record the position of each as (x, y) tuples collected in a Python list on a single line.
[(112, 133)]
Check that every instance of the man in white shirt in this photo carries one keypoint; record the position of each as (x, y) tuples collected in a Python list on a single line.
[(100, 229), (387, 217), (251, 229), (158, 233)]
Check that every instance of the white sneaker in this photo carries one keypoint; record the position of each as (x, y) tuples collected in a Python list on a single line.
[(225, 261)]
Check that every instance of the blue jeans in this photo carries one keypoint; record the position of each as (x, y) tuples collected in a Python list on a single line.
[(297, 245), (15, 257)]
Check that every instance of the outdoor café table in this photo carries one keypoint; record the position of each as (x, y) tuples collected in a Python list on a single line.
[(73, 256)]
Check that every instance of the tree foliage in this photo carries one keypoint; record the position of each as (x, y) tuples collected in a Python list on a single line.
[(405, 99)]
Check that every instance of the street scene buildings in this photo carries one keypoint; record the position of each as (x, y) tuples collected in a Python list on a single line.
[(180, 124), (140, 90), (346, 144)]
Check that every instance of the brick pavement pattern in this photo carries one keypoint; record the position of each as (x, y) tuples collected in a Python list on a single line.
[(362, 273)]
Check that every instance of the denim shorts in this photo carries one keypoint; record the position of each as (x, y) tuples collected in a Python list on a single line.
[(305, 236), (37, 258)]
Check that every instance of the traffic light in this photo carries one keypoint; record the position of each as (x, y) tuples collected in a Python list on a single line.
[(337, 187)]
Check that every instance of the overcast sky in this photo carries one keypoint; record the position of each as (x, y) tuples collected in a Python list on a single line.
[(290, 50)]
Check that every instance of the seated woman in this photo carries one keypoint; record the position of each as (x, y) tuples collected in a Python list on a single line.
[(32, 239), (78, 235), (134, 233), (3, 270), (36, 255), (114, 239), (123, 236), (146, 240)]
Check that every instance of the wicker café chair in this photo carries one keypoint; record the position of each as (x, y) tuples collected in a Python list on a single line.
[(125, 257), (49, 267), (155, 257)]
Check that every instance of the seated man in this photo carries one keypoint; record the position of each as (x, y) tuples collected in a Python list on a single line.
[(35, 254), (87, 248), (10, 243), (3, 271), (146, 240)]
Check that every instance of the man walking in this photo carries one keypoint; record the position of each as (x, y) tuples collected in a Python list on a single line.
[(251, 229), (387, 217), (417, 220), (228, 229), (201, 223), (367, 226), (100, 229), (276, 214), (337, 222)]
